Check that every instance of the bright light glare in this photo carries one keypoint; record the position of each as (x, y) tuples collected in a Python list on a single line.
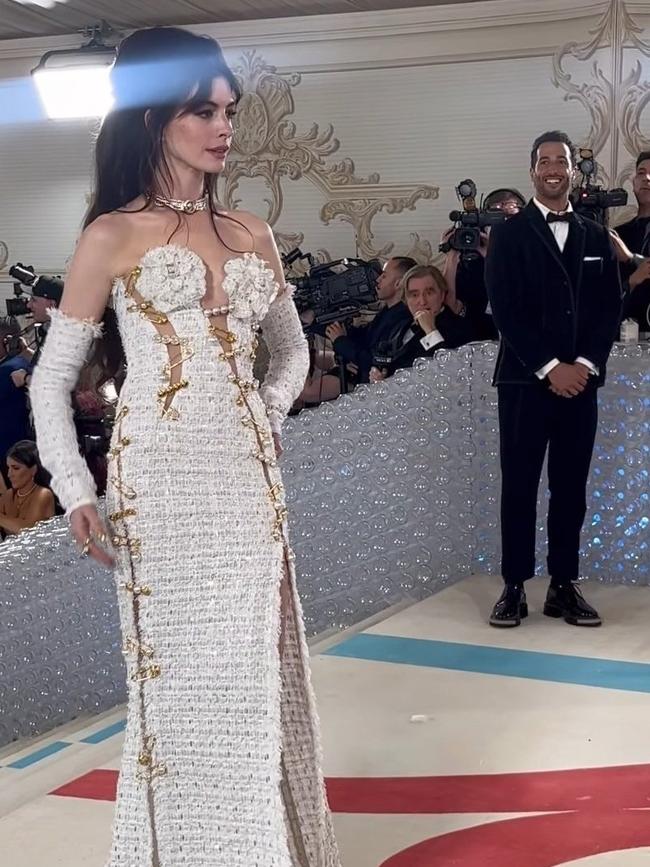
[(83, 91), (45, 4)]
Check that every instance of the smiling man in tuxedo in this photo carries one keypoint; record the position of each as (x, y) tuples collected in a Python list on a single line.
[(555, 292)]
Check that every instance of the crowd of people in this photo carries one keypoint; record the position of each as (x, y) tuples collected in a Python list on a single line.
[(26, 498), (422, 309), (221, 719)]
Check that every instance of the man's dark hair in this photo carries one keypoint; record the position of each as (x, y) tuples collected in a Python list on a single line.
[(553, 135), (404, 264), (643, 156)]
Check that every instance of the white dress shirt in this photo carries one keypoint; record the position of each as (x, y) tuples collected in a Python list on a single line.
[(560, 230), (433, 338)]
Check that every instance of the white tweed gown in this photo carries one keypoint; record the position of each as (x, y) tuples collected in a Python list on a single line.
[(221, 764)]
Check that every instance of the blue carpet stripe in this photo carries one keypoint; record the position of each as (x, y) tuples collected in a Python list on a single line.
[(56, 746), (39, 755), (481, 659), (104, 734)]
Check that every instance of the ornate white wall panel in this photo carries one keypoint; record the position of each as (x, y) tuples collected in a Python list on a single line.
[(416, 99)]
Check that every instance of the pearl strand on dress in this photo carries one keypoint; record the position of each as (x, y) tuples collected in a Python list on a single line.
[(217, 311)]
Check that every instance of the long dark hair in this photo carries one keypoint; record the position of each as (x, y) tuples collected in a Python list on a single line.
[(25, 452), (158, 73)]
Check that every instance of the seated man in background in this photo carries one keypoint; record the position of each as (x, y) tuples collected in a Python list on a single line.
[(465, 276), (28, 501), (355, 346), (636, 236), (431, 325)]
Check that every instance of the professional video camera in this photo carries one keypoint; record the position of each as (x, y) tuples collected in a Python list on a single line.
[(466, 237), (336, 290), (45, 287), (590, 200)]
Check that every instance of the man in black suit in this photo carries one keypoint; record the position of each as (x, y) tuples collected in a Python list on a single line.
[(555, 292), (430, 326), (636, 235)]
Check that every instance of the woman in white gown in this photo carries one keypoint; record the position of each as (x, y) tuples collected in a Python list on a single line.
[(221, 764)]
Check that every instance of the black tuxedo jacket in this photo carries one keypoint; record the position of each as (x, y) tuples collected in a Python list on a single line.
[(636, 305), (456, 331), (549, 304)]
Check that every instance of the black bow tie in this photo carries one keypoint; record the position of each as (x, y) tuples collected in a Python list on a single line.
[(566, 217)]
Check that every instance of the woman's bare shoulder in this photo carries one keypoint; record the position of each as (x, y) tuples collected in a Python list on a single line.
[(115, 226), (252, 226), (114, 239), (44, 495)]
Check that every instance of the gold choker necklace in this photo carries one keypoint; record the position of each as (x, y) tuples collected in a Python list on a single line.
[(22, 496), (185, 206)]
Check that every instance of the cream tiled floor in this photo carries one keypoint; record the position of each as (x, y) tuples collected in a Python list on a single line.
[(468, 723)]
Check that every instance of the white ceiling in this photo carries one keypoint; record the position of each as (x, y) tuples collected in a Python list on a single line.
[(18, 20)]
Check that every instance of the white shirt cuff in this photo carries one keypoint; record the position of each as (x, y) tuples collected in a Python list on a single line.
[(593, 370), (544, 371), (432, 339)]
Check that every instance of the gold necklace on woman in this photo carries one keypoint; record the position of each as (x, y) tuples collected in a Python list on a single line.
[(185, 206), (22, 496)]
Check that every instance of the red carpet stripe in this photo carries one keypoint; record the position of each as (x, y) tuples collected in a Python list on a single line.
[(98, 785), (533, 841), (622, 787), (592, 789)]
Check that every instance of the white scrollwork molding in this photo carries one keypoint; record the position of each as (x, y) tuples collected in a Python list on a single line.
[(613, 102), (268, 145)]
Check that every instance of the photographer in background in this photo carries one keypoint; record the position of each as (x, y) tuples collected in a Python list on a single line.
[(46, 293), (14, 410), (635, 234), (356, 346), (430, 326), (465, 275), (88, 403)]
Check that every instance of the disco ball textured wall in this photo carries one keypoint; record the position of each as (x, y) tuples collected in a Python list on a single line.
[(393, 493)]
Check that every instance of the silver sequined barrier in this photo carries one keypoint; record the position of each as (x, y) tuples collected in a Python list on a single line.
[(393, 493)]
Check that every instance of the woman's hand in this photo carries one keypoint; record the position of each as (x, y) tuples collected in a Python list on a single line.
[(376, 375), (90, 534)]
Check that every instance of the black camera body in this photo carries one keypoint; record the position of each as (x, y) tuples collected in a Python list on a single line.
[(385, 352), (593, 202), (468, 223), (17, 306), (590, 200), (46, 287), (337, 290)]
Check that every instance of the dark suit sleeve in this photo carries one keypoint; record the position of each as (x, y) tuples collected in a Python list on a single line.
[(7, 387), (408, 354), (504, 278), (596, 338), (413, 350), (350, 346), (456, 330)]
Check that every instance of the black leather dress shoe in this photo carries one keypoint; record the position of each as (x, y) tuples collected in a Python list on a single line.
[(566, 600), (510, 608)]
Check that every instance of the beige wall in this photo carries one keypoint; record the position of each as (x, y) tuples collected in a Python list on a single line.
[(377, 115)]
